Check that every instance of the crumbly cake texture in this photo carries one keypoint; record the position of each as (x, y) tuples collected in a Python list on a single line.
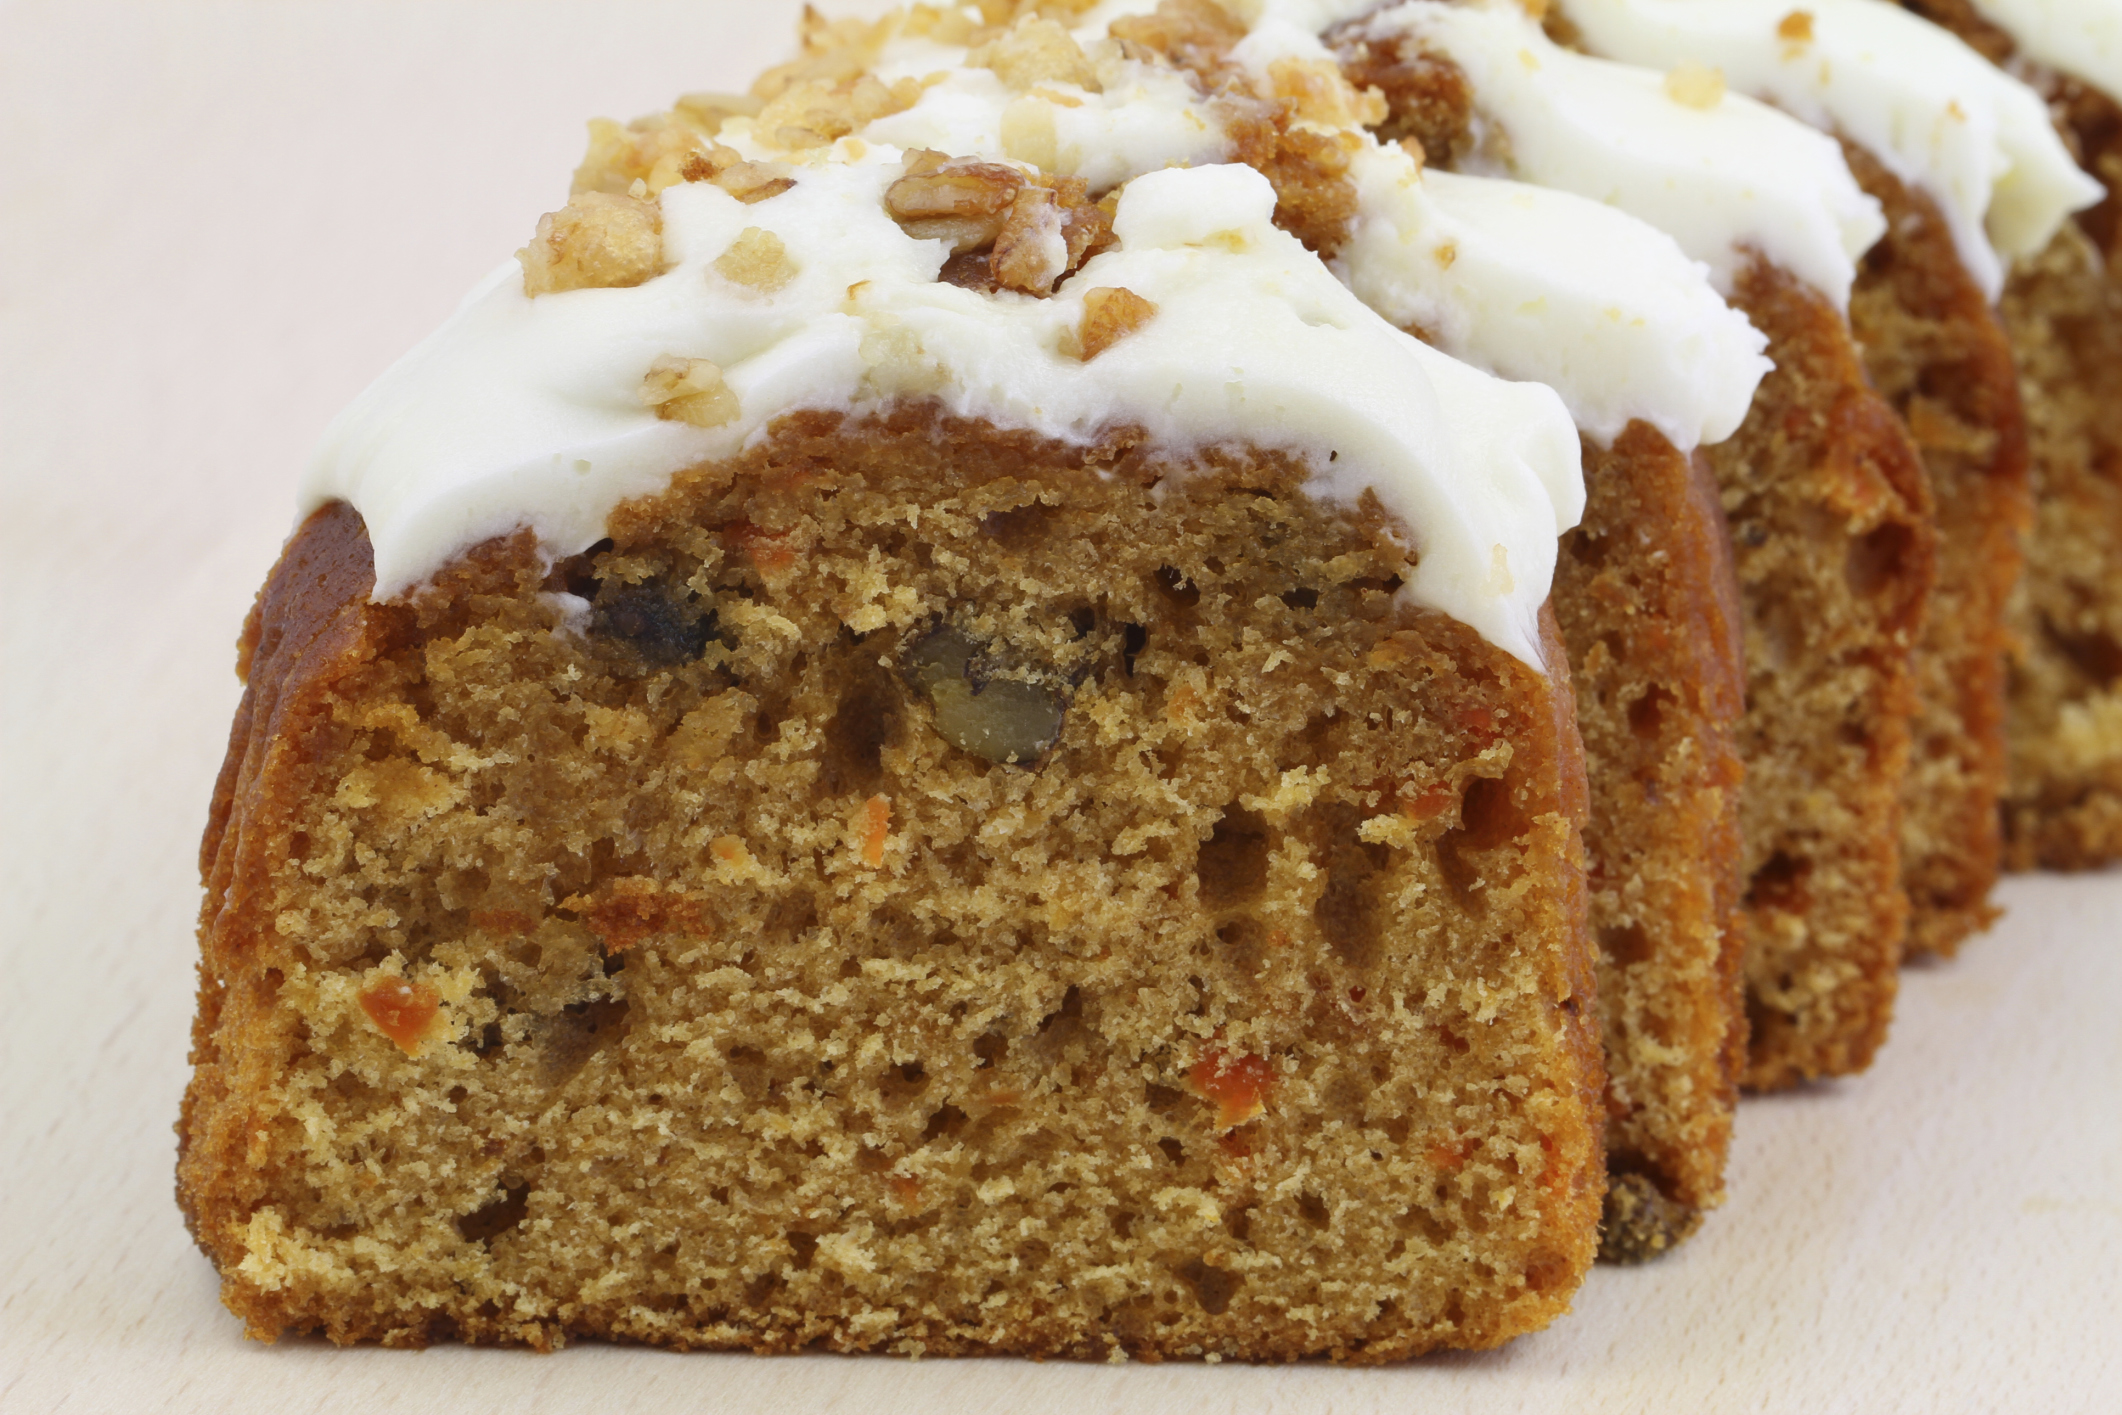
[(674, 962), (2063, 312), (1653, 628), (1652, 623), (1935, 351), (1834, 541), (1834, 546)]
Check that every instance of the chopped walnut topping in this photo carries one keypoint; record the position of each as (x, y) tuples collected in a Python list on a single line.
[(834, 52), (1035, 51), (961, 201), (1110, 314), (748, 182), (711, 110), (652, 151), (1007, 230), (756, 259), (688, 391), (1315, 199), (1319, 93), (1031, 251), (595, 241), (1693, 85), (813, 114), (1193, 34)]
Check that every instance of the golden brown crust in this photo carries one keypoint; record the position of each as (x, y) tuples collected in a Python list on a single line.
[(621, 1120), (1937, 353), (1653, 626)]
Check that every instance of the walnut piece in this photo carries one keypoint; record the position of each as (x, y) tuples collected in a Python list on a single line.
[(814, 113), (689, 391), (1035, 51), (1110, 314), (756, 260), (963, 202), (650, 150), (1193, 34), (748, 182), (1031, 251), (596, 241)]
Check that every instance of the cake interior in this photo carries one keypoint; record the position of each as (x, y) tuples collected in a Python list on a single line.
[(916, 887)]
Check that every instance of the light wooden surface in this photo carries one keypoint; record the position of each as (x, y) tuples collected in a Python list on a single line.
[(217, 221)]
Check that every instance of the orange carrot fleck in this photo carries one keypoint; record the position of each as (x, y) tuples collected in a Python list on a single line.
[(877, 816), (1236, 1085), (770, 553), (906, 1187), (402, 1011)]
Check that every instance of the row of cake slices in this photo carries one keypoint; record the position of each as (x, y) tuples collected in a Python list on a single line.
[(1756, 249), (1758, 245)]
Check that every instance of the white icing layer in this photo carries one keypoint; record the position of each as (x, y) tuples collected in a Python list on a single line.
[(1939, 115), (1723, 180), (524, 411), (2082, 38), (1537, 284)]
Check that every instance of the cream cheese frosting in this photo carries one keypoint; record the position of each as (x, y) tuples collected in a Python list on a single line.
[(2082, 38), (523, 411), (1940, 116), (1538, 284), (1725, 179), (527, 411)]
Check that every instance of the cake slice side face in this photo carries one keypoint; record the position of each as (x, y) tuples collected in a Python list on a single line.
[(916, 887), (2063, 808), (1653, 628), (1934, 350)]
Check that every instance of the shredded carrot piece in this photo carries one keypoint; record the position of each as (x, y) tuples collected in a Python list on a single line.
[(402, 1011), (877, 816), (1236, 1085)]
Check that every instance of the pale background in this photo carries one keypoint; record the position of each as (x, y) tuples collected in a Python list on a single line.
[(217, 222)]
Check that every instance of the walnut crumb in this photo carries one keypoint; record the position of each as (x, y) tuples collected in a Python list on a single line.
[(757, 260), (598, 240), (689, 391), (1110, 314), (1035, 51), (1693, 85)]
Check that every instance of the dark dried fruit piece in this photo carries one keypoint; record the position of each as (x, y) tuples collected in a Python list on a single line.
[(661, 627)]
